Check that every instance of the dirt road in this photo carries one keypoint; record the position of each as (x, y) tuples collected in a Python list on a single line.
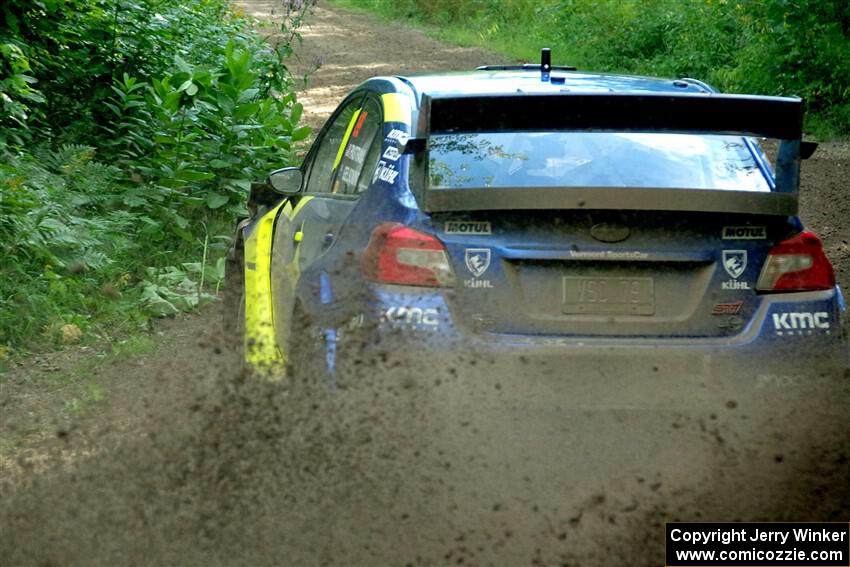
[(190, 462)]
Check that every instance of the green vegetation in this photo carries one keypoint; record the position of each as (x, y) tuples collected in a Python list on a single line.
[(129, 133), (777, 47)]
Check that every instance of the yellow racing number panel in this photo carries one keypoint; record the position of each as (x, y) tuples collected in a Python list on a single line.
[(261, 350)]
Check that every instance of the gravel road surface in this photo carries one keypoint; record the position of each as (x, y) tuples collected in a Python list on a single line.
[(189, 461)]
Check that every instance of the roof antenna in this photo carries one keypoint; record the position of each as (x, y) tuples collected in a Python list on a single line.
[(545, 64)]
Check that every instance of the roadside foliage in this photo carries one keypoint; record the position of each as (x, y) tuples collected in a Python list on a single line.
[(130, 131), (770, 47)]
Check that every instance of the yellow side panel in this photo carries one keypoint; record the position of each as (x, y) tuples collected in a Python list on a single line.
[(260, 345), (293, 270), (396, 108), (261, 349)]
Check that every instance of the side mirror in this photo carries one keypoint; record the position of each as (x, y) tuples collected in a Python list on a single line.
[(286, 181)]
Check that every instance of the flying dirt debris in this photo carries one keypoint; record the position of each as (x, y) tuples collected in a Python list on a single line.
[(398, 454)]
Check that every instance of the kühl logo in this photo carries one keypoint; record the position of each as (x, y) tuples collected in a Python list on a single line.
[(735, 262), (477, 260)]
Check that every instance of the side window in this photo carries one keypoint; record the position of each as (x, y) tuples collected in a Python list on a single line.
[(322, 167), (358, 150), (371, 163)]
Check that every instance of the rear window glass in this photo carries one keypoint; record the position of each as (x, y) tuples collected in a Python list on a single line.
[(581, 159)]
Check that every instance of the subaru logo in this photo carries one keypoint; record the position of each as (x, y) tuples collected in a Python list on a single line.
[(609, 232)]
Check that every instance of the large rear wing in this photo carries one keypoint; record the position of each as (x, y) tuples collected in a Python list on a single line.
[(778, 118)]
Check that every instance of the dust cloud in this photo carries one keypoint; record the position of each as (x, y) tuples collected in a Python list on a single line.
[(483, 462)]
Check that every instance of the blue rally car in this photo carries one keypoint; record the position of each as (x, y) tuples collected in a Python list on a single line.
[(542, 213)]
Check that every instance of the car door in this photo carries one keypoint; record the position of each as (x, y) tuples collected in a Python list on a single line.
[(333, 171)]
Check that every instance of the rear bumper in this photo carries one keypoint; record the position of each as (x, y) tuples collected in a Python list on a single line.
[(790, 339)]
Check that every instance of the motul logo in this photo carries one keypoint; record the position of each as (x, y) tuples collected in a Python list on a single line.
[(468, 227), (792, 321), (744, 232)]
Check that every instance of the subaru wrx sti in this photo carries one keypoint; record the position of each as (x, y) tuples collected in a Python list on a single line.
[(546, 214)]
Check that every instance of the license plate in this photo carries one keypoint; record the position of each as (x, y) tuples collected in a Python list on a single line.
[(608, 296)]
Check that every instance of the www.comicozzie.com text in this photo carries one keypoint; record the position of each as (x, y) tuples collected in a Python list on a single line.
[(743, 534)]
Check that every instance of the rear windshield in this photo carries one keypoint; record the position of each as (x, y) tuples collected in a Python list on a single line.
[(582, 159)]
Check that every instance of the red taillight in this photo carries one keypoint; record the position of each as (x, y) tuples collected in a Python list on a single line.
[(797, 264), (400, 255)]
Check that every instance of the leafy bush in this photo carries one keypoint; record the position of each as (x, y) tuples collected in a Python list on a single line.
[(76, 47), (16, 93), (197, 136), (66, 246), (173, 108)]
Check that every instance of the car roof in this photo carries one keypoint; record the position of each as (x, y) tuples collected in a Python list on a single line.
[(527, 81)]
